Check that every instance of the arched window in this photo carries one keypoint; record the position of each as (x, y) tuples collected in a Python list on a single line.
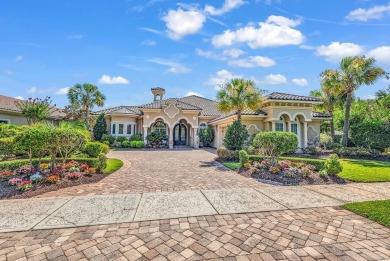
[(160, 126), (279, 126), (202, 126)]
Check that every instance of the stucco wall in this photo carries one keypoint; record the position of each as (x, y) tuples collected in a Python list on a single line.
[(190, 116), (14, 119)]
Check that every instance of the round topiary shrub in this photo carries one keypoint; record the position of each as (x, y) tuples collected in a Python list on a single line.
[(333, 165), (227, 155), (275, 143), (236, 136), (93, 149)]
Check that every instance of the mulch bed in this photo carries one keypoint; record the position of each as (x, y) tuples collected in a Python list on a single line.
[(298, 179), (10, 192)]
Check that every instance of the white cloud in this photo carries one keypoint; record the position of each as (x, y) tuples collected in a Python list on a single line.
[(220, 78), (300, 82), (63, 91), (19, 58), (253, 61), (107, 79), (174, 67), (336, 50), (368, 97), (32, 90), (193, 93), (273, 79), (181, 23), (226, 7), (381, 54), (19, 97), (375, 12), (276, 31), (209, 54), (233, 52), (75, 36), (149, 43)]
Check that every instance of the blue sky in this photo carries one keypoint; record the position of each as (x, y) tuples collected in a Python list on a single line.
[(126, 47)]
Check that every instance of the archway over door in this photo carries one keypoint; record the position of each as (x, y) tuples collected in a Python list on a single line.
[(180, 134)]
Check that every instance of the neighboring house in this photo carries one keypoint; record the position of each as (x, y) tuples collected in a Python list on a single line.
[(9, 113), (180, 118)]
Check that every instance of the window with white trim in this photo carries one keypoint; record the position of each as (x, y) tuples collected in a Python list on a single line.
[(279, 126), (294, 128), (160, 126), (129, 129), (113, 128), (4, 121), (120, 128), (202, 126)]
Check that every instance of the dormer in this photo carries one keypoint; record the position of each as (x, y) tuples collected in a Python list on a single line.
[(158, 93)]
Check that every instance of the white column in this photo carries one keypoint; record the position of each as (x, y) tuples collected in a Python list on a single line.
[(216, 136), (170, 140), (196, 138), (190, 136), (273, 128), (305, 134), (145, 134), (289, 126)]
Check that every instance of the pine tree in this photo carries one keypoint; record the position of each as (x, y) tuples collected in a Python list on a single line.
[(100, 127)]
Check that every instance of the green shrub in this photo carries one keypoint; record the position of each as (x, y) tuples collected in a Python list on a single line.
[(7, 147), (15, 164), (118, 144), (312, 150), (318, 163), (155, 138), (333, 165), (244, 157), (227, 155), (101, 162), (357, 152), (275, 143), (336, 146), (93, 149), (206, 136), (126, 144), (121, 139), (139, 144), (236, 136), (109, 138), (106, 142), (136, 137), (325, 140), (100, 127)]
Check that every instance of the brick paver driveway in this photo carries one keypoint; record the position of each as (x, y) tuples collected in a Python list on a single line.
[(150, 171), (325, 233)]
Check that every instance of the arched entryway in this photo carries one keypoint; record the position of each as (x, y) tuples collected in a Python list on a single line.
[(180, 134)]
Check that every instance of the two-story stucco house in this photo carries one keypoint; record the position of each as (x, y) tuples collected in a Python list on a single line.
[(180, 118)]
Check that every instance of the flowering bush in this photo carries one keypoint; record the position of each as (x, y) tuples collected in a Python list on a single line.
[(289, 172), (74, 169), (26, 170), (44, 166), (274, 170), (24, 185), (271, 162), (70, 164), (306, 171), (90, 171), (247, 165), (14, 181), (59, 172), (52, 179), (36, 178), (84, 167), (6, 175), (74, 175)]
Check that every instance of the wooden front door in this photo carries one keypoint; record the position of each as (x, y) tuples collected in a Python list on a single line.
[(180, 134)]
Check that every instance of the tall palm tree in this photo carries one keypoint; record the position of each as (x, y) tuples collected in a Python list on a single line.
[(239, 95), (85, 97), (329, 101), (384, 97), (353, 72)]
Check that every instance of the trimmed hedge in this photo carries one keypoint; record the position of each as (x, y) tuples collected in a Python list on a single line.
[(15, 164), (318, 163), (93, 149)]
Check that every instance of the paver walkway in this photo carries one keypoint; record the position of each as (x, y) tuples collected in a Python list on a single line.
[(180, 205)]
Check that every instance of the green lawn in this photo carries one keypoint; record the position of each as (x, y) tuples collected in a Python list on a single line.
[(113, 165), (354, 170), (365, 170), (232, 165), (378, 211)]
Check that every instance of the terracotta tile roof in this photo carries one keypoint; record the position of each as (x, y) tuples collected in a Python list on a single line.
[(245, 112), (8, 104), (159, 104), (316, 114), (290, 97), (121, 110), (209, 107)]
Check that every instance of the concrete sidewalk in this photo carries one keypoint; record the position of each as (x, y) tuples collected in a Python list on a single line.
[(48, 213)]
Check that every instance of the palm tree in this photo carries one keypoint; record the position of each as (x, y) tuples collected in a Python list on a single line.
[(353, 72), (239, 95), (384, 97), (85, 97), (329, 101)]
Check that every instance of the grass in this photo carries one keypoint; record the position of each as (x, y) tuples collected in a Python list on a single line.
[(354, 170), (113, 165), (365, 170), (232, 165), (378, 211)]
